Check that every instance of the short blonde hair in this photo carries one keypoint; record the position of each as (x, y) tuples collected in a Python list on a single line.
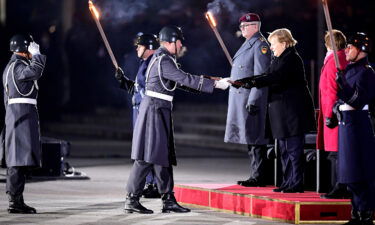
[(283, 35), (339, 40)]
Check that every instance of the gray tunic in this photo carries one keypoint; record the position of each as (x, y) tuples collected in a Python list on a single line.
[(153, 140), (22, 135), (253, 58)]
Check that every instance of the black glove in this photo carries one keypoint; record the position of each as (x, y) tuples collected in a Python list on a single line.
[(119, 74), (336, 110), (331, 122), (341, 80), (125, 82), (252, 109)]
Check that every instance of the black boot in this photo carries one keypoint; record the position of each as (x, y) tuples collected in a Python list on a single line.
[(132, 204), (355, 219), (17, 205), (367, 217), (170, 204)]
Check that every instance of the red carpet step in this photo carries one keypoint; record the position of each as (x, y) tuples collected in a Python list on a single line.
[(261, 202)]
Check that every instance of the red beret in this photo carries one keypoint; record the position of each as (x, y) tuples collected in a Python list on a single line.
[(250, 17)]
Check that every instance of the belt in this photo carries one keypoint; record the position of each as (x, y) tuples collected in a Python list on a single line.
[(159, 95), (346, 107), (22, 101)]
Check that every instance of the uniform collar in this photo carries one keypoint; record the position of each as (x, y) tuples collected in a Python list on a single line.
[(361, 62), (15, 57)]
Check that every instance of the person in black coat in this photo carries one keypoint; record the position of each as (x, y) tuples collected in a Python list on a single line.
[(290, 106), (356, 113)]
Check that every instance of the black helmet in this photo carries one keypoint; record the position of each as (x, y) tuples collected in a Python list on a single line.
[(171, 34), (361, 41), (20, 43), (150, 41)]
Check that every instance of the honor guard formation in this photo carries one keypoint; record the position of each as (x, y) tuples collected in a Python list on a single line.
[(269, 103)]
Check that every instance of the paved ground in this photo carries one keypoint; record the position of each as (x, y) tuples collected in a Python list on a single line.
[(100, 199)]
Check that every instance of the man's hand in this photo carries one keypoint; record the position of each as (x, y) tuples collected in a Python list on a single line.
[(33, 48), (222, 84), (252, 109), (119, 74)]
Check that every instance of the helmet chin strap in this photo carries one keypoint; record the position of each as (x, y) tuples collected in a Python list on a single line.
[(141, 57), (175, 50)]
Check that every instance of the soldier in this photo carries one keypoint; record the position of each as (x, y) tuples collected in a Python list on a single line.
[(153, 141), (247, 107), (355, 110), (146, 45), (22, 137)]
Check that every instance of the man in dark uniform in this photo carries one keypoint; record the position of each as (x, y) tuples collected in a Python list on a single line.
[(146, 45), (247, 107), (22, 137), (153, 141), (356, 161)]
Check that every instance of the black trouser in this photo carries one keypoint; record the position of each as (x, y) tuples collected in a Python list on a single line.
[(333, 157), (16, 178), (292, 161), (257, 155), (363, 195), (137, 177)]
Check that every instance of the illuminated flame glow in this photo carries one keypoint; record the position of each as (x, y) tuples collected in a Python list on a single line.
[(211, 19), (93, 10)]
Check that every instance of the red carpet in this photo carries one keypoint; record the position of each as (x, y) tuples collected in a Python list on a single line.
[(261, 202)]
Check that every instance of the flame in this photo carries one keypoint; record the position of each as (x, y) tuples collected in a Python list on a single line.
[(93, 10), (211, 19)]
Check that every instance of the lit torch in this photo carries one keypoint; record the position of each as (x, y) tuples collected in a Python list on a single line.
[(96, 15), (212, 22)]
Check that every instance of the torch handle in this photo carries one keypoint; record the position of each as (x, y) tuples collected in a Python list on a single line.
[(221, 42), (106, 43), (331, 37)]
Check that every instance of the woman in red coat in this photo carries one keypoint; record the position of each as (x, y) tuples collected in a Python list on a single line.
[(327, 138)]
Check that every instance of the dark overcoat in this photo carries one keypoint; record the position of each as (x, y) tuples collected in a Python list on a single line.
[(153, 139), (290, 105), (253, 58), (356, 140), (22, 134)]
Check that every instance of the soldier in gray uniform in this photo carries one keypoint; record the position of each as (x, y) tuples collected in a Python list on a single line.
[(22, 137), (153, 142), (247, 108)]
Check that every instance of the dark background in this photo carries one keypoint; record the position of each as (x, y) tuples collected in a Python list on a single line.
[(79, 76)]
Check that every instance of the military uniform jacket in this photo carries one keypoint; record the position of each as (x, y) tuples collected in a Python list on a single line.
[(356, 140), (253, 58), (22, 137), (290, 107), (140, 81), (153, 140)]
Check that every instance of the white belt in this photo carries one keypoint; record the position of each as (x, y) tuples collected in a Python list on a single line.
[(346, 107), (22, 101), (159, 95)]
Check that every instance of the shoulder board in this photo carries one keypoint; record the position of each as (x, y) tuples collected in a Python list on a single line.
[(368, 66), (261, 38)]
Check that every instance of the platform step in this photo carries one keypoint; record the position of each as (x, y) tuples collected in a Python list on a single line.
[(262, 202)]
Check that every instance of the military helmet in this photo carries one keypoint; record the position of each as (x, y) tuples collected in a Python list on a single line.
[(361, 41), (20, 43), (150, 41), (171, 34)]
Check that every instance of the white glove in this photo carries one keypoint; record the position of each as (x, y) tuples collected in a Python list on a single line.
[(34, 48), (222, 84)]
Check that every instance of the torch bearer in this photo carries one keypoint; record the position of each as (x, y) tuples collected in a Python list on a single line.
[(212, 23), (96, 15), (331, 37)]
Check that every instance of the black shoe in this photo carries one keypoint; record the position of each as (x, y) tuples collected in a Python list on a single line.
[(367, 217), (251, 183), (17, 205), (132, 204), (355, 219), (280, 189), (151, 191), (337, 194), (293, 190), (170, 204)]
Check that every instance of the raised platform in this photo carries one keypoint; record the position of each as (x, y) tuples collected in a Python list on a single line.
[(261, 202)]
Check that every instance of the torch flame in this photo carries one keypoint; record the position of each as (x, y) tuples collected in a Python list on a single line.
[(94, 10), (211, 19)]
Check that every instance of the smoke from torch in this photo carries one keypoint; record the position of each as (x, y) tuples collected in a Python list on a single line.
[(212, 22), (96, 15)]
